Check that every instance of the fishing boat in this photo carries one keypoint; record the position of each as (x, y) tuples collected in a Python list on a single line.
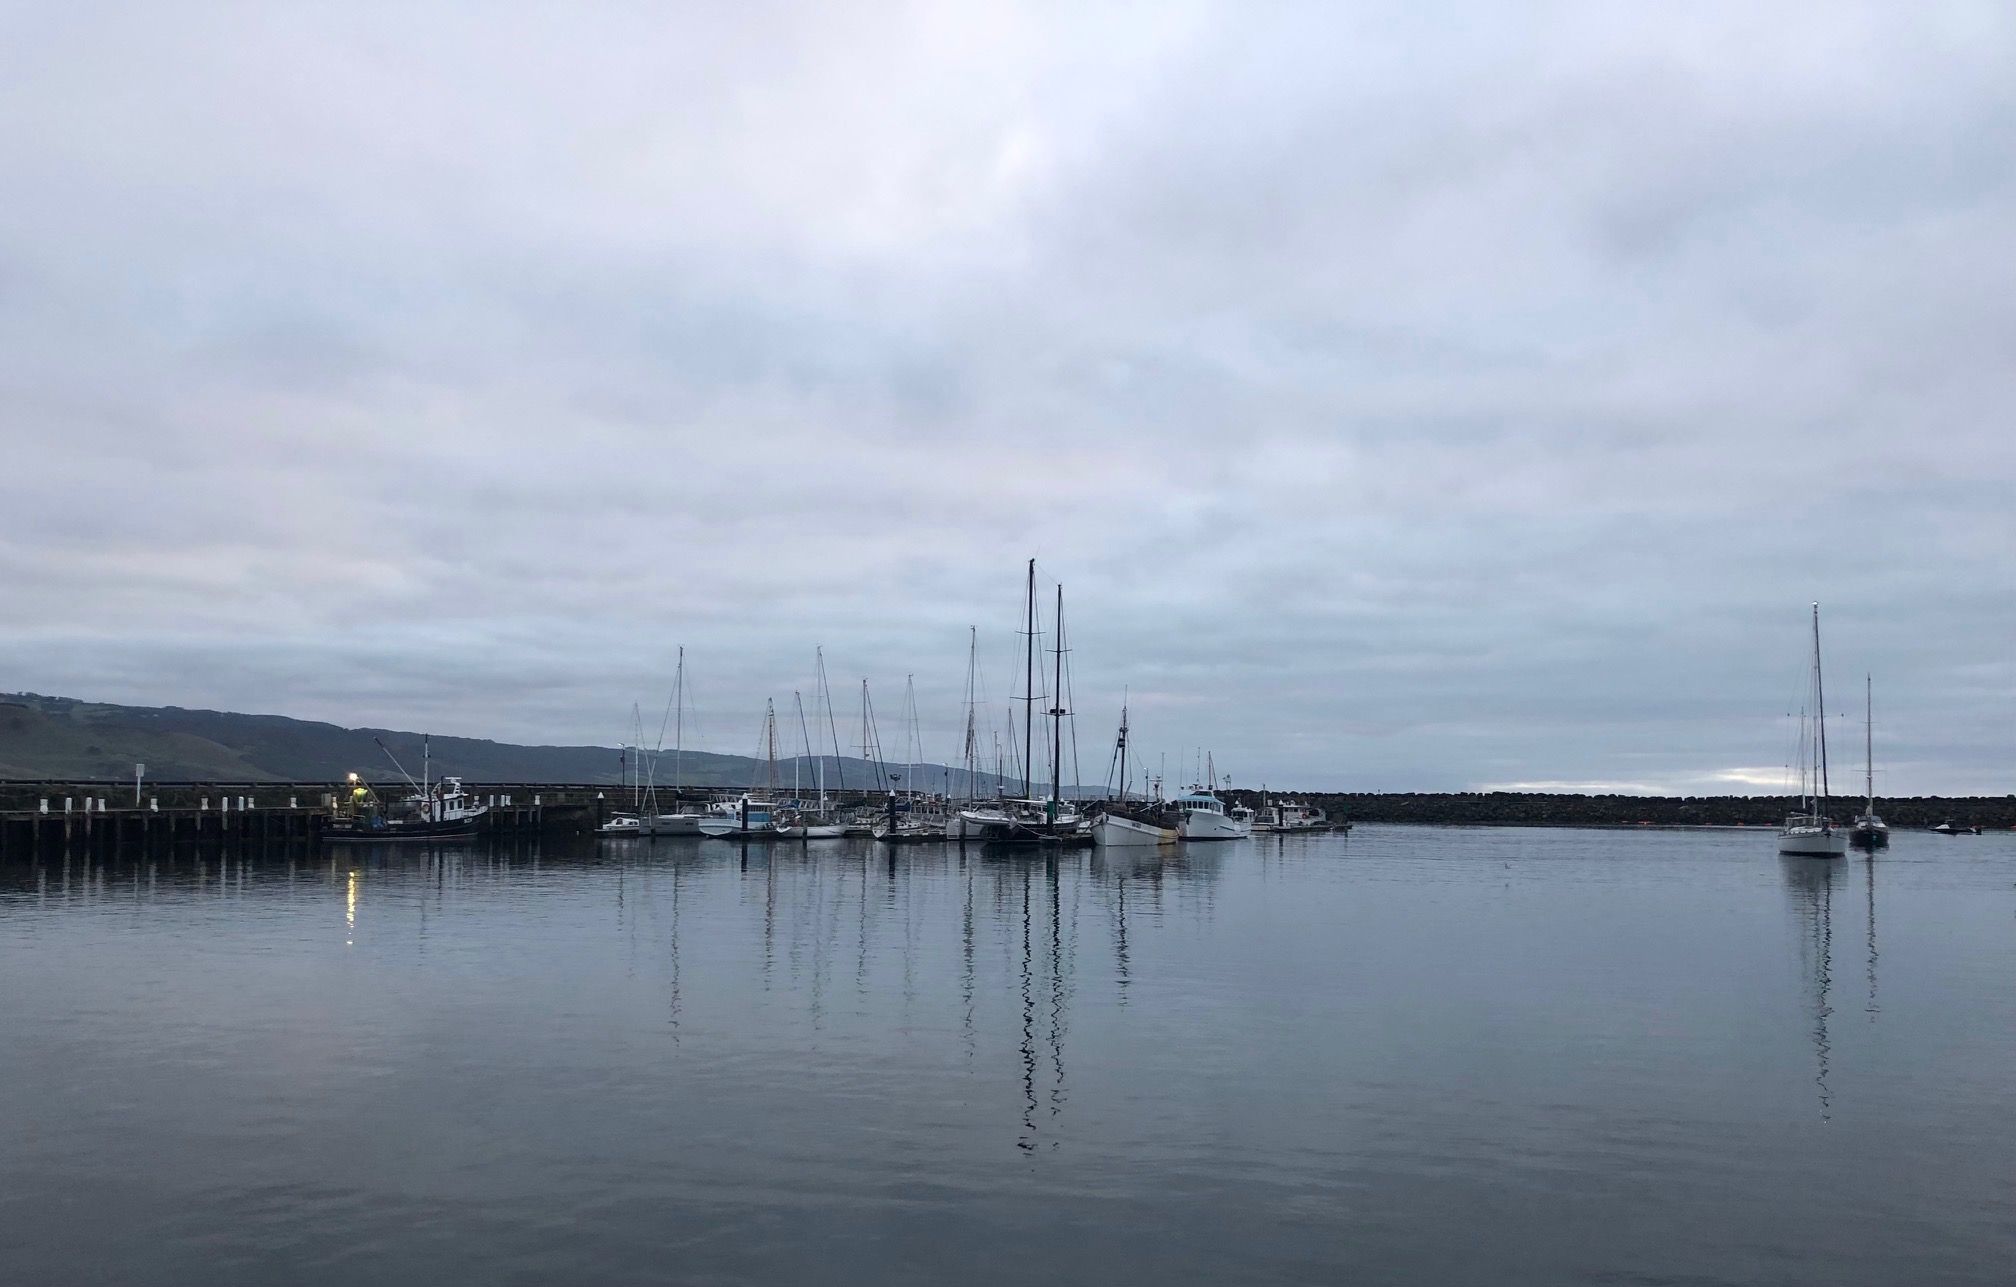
[(434, 811), (1124, 823), (1201, 815), (1869, 831), (1293, 815), (1811, 833)]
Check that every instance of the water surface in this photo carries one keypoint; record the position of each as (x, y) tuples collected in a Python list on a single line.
[(1407, 1055)]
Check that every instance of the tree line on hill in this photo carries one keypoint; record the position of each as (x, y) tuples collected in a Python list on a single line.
[(1534, 809)]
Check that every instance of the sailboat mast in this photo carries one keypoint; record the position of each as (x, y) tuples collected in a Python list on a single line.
[(832, 724), (678, 723), (1057, 712), (1123, 751), (805, 740), (770, 740), (972, 698), (1869, 740), (1029, 685), (1820, 697)]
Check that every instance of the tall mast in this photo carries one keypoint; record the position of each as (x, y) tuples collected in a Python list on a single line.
[(1820, 698), (832, 726), (972, 696), (1869, 740), (1123, 749), (1029, 685), (770, 740), (1057, 712), (913, 735), (804, 740), (678, 722)]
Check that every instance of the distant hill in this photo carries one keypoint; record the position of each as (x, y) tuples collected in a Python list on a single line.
[(63, 738)]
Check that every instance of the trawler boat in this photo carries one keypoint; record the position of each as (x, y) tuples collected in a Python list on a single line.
[(1290, 815), (1203, 816), (619, 824), (441, 811), (1810, 833)]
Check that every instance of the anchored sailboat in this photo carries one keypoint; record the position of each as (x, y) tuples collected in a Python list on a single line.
[(1869, 831), (1810, 833)]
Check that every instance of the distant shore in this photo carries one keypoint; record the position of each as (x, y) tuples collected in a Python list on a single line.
[(1509, 808)]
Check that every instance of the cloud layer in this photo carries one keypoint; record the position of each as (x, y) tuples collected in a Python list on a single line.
[(1410, 396)]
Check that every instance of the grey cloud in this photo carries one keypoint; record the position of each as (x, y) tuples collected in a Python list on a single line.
[(1409, 396)]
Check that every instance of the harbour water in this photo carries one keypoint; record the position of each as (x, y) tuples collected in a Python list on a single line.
[(1425, 1055)]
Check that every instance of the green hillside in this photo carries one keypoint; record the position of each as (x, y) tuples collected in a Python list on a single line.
[(63, 738)]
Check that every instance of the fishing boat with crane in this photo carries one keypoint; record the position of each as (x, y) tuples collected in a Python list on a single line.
[(435, 811)]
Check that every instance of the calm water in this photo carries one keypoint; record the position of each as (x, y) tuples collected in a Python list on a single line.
[(1409, 1055)]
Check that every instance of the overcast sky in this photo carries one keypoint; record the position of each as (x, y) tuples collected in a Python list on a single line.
[(1408, 396)]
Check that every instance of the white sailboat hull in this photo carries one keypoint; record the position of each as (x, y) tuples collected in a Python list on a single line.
[(671, 824), (1112, 831), (1805, 842)]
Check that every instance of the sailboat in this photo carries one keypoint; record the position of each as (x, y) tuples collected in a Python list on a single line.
[(1810, 833), (1031, 821), (798, 822), (649, 820), (1869, 831), (749, 818)]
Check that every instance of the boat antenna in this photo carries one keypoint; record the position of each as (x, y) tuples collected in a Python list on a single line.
[(397, 765)]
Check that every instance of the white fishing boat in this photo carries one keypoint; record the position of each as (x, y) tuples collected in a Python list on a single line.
[(1112, 828), (1203, 816), (1290, 815), (1810, 833)]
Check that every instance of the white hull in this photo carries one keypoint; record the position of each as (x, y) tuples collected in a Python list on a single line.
[(671, 824), (1200, 824), (1805, 843), (1110, 831), (815, 831)]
